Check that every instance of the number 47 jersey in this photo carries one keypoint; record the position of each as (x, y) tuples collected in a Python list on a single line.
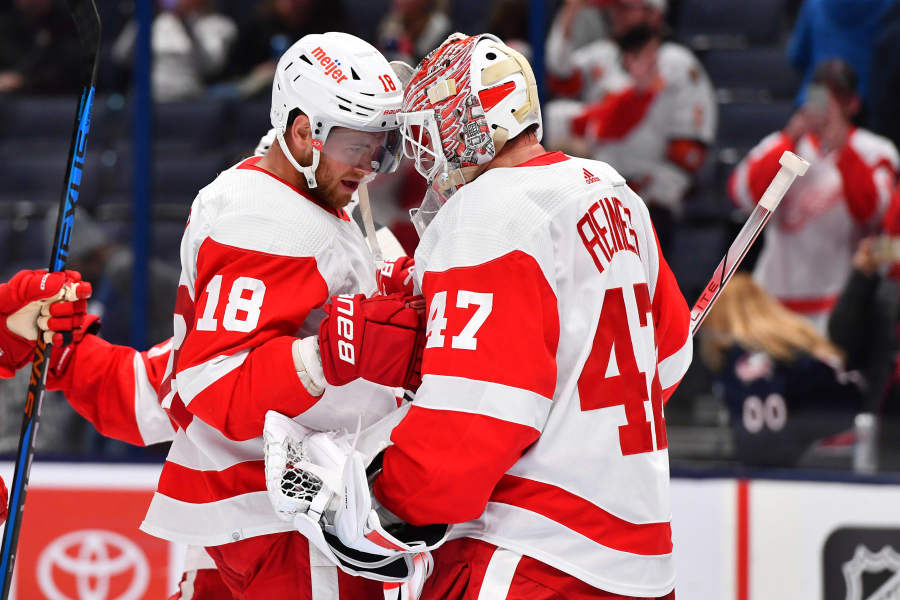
[(556, 332)]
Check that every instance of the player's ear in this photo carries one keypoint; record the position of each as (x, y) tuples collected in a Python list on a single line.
[(301, 133), (300, 136)]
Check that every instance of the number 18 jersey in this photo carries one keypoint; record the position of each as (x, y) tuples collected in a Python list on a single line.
[(556, 332)]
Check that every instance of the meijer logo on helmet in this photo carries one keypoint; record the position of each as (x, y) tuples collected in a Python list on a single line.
[(331, 65)]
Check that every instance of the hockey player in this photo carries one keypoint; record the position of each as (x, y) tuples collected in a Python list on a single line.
[(644, 105), (807, 254), (31, 302), (555, 333), (267, 243)]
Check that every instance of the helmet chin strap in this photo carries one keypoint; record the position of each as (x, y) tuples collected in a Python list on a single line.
[(308, 172)]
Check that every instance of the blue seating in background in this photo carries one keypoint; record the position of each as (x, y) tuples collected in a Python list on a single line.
[(743, 124), (250, 122), (184, 127), (752, 73), (704, 24)]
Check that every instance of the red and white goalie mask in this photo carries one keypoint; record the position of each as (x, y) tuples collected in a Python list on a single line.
[(464, 101)]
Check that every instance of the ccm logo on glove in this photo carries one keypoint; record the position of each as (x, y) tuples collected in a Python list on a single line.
[(343, 305)]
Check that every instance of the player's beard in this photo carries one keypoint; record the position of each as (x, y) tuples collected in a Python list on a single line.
[(331, 177)]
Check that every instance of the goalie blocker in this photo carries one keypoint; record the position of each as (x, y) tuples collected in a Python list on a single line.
[(320, 482)]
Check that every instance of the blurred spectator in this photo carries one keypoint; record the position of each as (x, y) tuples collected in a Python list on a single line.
[(39, 49), (276, 25), (864, 320), (576, 24), (864, 324), (190, 44), (645, 106), (509, 22), (782, 381), (810, 242), (885, 80), (412, 29), (845, 29)]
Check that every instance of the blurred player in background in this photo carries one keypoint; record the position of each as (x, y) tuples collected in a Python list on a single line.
[(267, 243), (555, 333), (645, 105), (806, 257)]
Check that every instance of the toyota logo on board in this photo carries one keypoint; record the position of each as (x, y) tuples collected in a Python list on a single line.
[(93, 564)]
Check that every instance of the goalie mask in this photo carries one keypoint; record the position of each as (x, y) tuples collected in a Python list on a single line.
[(351, 96), (320, 482), (464, 101)]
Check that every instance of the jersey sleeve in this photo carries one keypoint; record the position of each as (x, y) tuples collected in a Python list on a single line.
[(690, 96), (867, 177), (671, 320), (115, 388), (234, 334), (489, 377)]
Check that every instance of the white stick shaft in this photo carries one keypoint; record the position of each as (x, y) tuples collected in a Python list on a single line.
[(791, 167), (365, 211)]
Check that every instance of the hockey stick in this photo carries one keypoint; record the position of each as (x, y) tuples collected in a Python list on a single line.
[(792, 166), (365, 211), (87, 23)]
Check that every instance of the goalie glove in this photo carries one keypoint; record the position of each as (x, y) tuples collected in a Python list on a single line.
[(318, 481)]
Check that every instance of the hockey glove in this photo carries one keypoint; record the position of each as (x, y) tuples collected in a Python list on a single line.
[(379, 339), (396, 276), (318, 480), (36, 300), (63, 351)]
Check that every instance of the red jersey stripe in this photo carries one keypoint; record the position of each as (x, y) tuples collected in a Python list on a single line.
[(198, 487), (584, 517), (809, 305)]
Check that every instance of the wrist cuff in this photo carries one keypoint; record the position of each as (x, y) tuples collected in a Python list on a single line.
[(309, 364)]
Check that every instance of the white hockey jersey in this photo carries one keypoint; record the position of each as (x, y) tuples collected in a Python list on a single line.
[(810, 243), (634, 131), (555, 333), (259, 258)]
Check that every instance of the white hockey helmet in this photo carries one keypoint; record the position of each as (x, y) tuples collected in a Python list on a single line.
[(464, 101), (339, 80)]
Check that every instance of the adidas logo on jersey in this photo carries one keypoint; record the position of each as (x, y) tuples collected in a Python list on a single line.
[(589, 177)]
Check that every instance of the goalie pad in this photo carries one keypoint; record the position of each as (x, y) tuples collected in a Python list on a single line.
[(319, 481)]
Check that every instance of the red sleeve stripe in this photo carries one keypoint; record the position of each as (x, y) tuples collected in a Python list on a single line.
[(673, 367), (199, 487), (503, 402), (584, 517), (193, 380), (153, 423)]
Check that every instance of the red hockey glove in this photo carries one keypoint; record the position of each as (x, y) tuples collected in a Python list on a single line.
[(396, 276), (63, 351), (380, 339), (34, 300), (4, 499)]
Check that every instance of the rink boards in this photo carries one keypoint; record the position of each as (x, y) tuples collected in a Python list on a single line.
[(746, 539)]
